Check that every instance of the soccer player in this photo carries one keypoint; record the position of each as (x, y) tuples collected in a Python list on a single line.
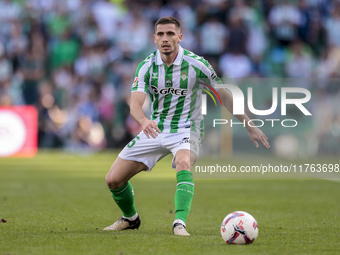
[(170, 75)]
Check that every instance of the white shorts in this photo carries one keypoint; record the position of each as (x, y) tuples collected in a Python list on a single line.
[(150, 151)]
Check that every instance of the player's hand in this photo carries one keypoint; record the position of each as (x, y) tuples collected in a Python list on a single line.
[(256, 135), (149, 128)]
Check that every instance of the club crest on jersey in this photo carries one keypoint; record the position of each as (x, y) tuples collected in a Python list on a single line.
[(184, 76), (168, 82), (135, 82)]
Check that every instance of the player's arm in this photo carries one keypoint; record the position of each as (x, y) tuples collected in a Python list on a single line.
[(136, 110), (255, 134)]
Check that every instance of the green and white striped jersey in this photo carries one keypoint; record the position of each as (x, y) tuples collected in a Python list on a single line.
[(174, 91)]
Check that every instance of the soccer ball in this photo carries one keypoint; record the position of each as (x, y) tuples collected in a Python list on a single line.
[(239, 228)]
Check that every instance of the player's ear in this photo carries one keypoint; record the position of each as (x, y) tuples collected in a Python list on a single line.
[(180, 38), (154, 38)]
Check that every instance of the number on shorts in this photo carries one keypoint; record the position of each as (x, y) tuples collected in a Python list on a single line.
[(133, 141)]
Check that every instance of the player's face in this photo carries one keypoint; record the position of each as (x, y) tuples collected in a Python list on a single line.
[(167, 38)]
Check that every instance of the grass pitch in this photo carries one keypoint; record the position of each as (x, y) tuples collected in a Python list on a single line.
[(58, 203)]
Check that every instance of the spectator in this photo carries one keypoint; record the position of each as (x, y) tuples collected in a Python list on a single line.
[(217, 30), (238, 34), (305, 19), (216, 8), (246, 13), (17, 44), (132, 33), (299, 63), (235, 65), (107, 15), (5, 67), (32, 67), (328, 65), (284, 19), (182, 10), (90, 33), (9, 11), (316, 37), (73, 58), (332, 25), (189, 40), (64, 51), (58, 23)]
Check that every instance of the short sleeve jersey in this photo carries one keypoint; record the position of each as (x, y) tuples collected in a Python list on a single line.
[(175, 91)]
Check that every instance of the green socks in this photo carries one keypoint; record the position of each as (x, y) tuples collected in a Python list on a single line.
[(184, 195), (124, 198)]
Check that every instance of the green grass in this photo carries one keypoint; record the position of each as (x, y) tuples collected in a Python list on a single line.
[(58, 203)]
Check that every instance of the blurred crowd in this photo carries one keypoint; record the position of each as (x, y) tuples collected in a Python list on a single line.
[(75, 59)]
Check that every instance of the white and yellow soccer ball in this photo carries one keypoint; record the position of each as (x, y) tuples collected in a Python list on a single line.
[(239, 228)]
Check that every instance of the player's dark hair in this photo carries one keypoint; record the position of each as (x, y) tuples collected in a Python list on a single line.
[(168, 20)]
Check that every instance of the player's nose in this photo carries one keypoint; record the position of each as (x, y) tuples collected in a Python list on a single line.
[(165, 38)]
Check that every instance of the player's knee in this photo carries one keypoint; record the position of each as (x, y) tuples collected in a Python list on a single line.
[(183, 164), (113, 182)]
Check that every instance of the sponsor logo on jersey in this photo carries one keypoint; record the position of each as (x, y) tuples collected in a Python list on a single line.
[(166, 91), (154, 76), (135, 82)]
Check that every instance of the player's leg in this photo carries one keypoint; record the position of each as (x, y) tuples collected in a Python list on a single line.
[(117, 180), (121, 171), (184, 161), (138, 155)]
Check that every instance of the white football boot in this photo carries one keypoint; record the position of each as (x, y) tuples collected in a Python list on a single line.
[(123, 223), (179, 230)]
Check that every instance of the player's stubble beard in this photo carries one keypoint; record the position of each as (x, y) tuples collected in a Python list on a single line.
[(167, 53)]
